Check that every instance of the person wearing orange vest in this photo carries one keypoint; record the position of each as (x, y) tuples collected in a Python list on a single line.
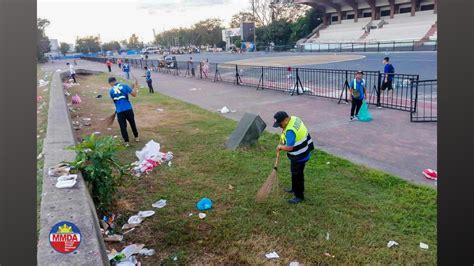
[(296, 141)]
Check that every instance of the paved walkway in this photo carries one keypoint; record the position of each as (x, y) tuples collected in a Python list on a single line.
[(390, 142)]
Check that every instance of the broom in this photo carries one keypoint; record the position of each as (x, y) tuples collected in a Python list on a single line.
[(109, 120), (270, 183)]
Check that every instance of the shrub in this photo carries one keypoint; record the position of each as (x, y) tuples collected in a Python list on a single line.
[(97, 160)]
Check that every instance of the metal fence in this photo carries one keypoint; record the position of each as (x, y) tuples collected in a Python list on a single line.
[(431, 45), (425, 101), (408, 94)]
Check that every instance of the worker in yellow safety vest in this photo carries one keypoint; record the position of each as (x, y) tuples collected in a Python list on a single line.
[(297, 142)]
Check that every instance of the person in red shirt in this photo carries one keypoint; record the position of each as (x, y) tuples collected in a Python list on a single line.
[(109, 65)]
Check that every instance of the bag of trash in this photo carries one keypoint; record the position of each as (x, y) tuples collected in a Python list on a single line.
[(150, 157), (364, 114), (204, 204)]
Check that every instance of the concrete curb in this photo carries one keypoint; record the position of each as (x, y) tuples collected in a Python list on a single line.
[(74, 205)]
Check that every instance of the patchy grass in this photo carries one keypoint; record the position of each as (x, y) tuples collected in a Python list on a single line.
[(361, 209), (42, 124)]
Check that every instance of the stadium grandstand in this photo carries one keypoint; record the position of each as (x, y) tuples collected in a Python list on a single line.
[(373, 21)]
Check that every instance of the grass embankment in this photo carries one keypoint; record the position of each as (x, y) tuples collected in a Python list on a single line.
[(361, 209), (42, 124)]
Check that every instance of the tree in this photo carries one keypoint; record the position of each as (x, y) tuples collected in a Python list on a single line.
[(305, 25), (205, 32), (42, 41), (267, 11), (242, 16), (134, 43), (88, 44), (111, 46), (64, 47)]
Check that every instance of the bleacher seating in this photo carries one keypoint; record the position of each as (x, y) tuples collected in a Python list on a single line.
[(346, 31), (404, 27)]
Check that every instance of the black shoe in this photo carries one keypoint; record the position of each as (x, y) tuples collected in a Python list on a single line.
[(288, 190), (295, 201)]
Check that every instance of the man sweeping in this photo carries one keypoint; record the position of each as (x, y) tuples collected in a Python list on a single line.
[(297, 142), (123, 108)]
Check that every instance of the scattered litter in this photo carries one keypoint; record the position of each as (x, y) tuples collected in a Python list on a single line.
[(37, 136), (135, 219), (159, 110), (39, 98), (66, 183), (114, 238), (190, 214), (294, 263), (328, 163), (104, 225), (129, 231), (291, 89), (150, 157), (112, 254), (99, 96), (329, 255), (59, 170), (391, 243), (272, 255), (39, 156), (45, 90), (175, 258), (327, 236), (233, 111), (109, 128), (58, 70), (231, 187), (169, 164), (224, 110), (130, 250), (147, 252), (129, 226), (86, 119), (145, 214), (430, 174), (423, 245), (195, 89), (43, 83), (204, 204), (97, 133), (76, 99), (159, 204), (202, 215), (87, 124), (67, 178)]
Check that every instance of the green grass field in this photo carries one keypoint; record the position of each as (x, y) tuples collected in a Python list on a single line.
[(361, 209), (42, 124)]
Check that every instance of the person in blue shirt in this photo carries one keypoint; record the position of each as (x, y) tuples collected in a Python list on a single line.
[(126, 69), (358, 93), (119, 93), (148, 79), (388, 71)]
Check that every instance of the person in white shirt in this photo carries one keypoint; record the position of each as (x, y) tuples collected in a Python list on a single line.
[(72, 72)]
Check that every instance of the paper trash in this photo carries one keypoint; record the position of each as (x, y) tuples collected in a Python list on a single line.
[(423, 246), (391, 243), (150, 157), (272, 255), (159, 204), (224, 110)]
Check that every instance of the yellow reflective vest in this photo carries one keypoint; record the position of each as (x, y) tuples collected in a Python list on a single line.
[(303, 142)]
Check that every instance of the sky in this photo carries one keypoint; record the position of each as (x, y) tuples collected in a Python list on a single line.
[(119, 19)]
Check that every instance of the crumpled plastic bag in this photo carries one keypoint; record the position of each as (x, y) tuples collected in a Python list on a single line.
[(364, 114), (204, 204), (150, 157), (76, 99), (43, 83)]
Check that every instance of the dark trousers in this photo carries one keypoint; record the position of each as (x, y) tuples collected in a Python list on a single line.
[(73, 76), (122, 119), (150, 86), (387, 85), (356, 104), (110, 68), (120, 66), (297, 178)]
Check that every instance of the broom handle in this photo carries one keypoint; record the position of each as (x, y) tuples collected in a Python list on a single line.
[(276, 161)]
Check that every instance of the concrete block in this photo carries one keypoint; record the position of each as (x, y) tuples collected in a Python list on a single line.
[(249, 129)]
